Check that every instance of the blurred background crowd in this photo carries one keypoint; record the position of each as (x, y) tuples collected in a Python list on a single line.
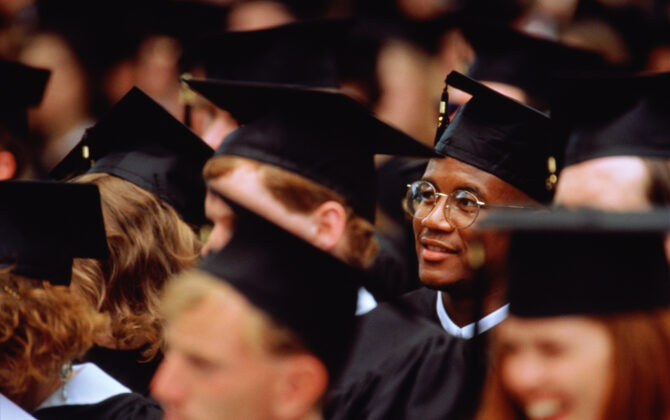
[(396, 61)]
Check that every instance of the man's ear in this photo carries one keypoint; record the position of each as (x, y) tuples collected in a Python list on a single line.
[(7, 165), (302, 383), (330, 220)]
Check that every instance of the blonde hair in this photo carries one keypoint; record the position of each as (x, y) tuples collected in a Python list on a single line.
[(191, 287), (148, 243), (302, 195), (42, 327)]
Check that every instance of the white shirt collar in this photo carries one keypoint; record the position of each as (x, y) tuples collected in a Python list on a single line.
[(89, 385), (11, 411), (468, 331), (366, 302)]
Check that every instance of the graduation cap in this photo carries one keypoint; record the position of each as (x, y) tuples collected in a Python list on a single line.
[(139, 141), (300, 53), (615, 115), (585, 262), (21, 88), (503, 137), (317, 133), (41, 242), (297, 285), (505, 55)]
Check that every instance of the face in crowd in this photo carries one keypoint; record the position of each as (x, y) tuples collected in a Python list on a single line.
[(444, 235)]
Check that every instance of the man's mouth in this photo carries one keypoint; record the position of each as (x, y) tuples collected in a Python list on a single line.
[(435, 250)]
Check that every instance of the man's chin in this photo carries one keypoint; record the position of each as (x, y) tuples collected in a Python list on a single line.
[(456, 288)]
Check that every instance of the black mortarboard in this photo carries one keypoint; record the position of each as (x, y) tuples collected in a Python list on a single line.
[(615, 115), (139, 141), (44, 225), (505, 55), (317, 133), (301, 53), (585, 262), (21, 87), (298, 285), (503, 137)]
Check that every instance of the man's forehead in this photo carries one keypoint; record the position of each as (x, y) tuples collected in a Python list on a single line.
[(449, 173), (208, 326)]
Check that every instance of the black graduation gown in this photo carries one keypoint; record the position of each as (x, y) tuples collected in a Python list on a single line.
[(401, 367), (392, 179), (422, 301), (389, 273), (128, 406), (125, 366)]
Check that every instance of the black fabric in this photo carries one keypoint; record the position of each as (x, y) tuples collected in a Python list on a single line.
[(401, 367), (502, 137), (391, 273), (571, 262), (505, 55), (606, 115), (44, 225), (320, 134), (299, 286), (22, 86), (127, 406), (393, 176), (298, 53), (126, 366), (139, 141), (423, 302)]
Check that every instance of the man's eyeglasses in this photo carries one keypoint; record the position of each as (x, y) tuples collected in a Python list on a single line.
[(461, 207)]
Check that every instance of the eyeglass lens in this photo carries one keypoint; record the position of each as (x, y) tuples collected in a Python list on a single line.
[(460, 210)]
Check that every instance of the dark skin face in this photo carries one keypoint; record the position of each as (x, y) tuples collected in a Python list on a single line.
[(441, 249)]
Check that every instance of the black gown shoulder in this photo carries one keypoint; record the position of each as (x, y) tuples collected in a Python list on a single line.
[(401, 367), (128, 406), (126, 366), (422, 302)]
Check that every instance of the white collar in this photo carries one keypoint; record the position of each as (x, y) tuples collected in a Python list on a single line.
[(11, 411), (89, 385), (366, 302), (468, 331)]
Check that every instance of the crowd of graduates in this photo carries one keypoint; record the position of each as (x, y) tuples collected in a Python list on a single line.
[(303, 210)]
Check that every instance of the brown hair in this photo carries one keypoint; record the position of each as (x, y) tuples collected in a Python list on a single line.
[(148, 243), (640, 366), (42, 327), (302, 195)]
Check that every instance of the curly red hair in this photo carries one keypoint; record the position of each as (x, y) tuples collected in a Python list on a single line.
[(42, 327)]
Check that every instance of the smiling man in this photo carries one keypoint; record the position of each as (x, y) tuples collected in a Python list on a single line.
[(500, 154)]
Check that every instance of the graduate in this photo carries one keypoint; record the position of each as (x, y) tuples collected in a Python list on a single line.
[(500, 154), (303, 157), (589, 326), (315, 54), (618, 152), (259, 330), (45, 324), (497, 154), (147, 165)]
